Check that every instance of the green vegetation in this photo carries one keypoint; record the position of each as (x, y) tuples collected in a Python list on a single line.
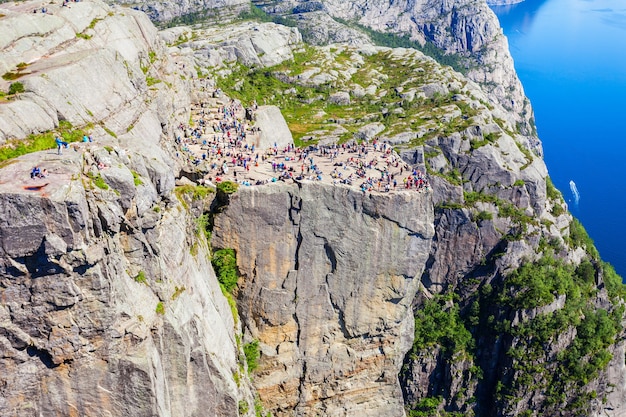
[(243, 407), (436, 324), (10, 76), (152, 81), (232, 304), (43, 141), (404, 41), (197, 192), (519, 183), (194, 18), (98, 181), (83, 36), (537, 284), (227, 187), (136, 179), (311, 115), (251, 350), (613, 282), (225, 265), (482, 216), (141, 277), (426, 407), (578, 238), (527, 154), (448, 205), (203, 226), (551, 191), (109, 131), (16, 88), (583, 332), (258, 14), (178, 291), (94, 22), (160, 308), (471, 197), (489, 138), (194, 192)]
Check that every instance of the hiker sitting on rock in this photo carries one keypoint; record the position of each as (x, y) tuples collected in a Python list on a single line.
[(35, 173)]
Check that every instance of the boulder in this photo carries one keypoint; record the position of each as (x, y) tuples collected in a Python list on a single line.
[(273, 128), (341, 98)]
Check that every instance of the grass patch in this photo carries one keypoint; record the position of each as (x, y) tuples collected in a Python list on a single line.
[(93, 23), (482, 216), (258, 14), (10, 76), (83, 36), (109, 131), (225, 265), (231, 303), (252, 352), (98, 181), (152, 81), (203, 226), (196, 192), (551, 191), (404, 41), (160, 308), (136, 179), (141, 277), (43, 141), (578, 238), (16, 88), (227, 187), (310, 115)]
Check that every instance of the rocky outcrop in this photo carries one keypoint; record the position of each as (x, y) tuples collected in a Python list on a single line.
[(467, 31), (104, 308), (109, 304), (188, 10), (274, 131), (97, 315), (250, 43), (319, 264)]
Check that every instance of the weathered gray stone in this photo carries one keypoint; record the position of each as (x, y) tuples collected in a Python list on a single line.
[(341, 97), (273, 128), (344, 276)]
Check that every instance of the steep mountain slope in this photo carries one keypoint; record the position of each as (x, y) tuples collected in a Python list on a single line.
[(476, 295), (104, 310)]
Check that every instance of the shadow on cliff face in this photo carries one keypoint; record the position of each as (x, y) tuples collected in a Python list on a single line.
[(43, 356)]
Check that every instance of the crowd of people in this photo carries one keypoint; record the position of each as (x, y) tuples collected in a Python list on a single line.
[(223, 138)]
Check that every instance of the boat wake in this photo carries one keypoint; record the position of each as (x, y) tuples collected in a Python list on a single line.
[(575, 193)]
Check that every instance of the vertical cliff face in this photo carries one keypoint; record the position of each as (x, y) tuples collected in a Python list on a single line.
[(479, 296), (104, 309), (320, 264)]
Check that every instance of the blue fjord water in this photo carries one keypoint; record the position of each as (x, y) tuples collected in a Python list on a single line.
[(571, 58)]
